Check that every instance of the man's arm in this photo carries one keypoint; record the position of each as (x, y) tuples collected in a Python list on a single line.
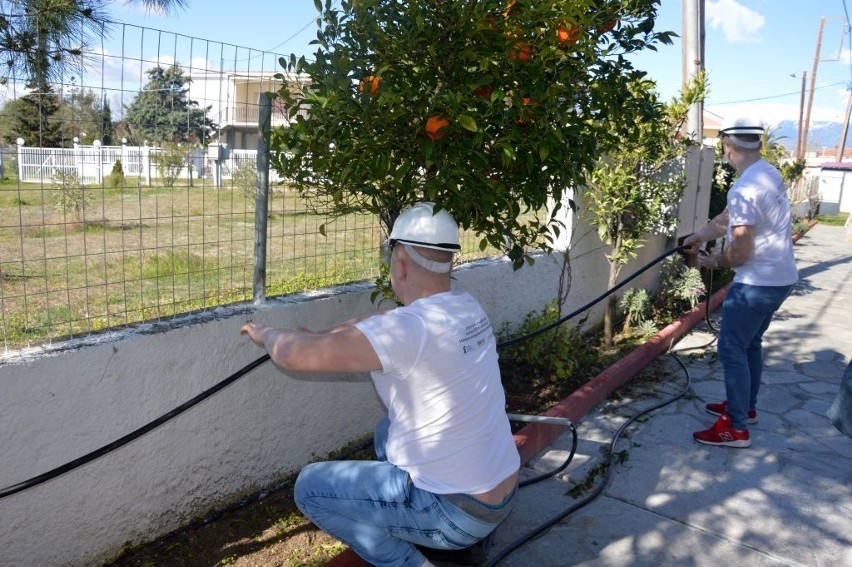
[(738, 253), (341, 349), (717, 227)]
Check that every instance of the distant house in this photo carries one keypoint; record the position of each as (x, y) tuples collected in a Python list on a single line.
[(835, 188), (234, 100)]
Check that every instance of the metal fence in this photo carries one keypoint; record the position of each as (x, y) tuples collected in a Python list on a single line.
[(86, 245)]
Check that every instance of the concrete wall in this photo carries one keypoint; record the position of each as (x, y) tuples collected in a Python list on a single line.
[(61, 403)]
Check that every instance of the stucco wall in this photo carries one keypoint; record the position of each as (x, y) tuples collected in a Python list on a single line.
[(56, 406)]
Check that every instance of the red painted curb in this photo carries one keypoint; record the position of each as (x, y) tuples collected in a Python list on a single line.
[(535, 437)]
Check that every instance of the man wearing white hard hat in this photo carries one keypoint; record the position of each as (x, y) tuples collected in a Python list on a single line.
[(758, 228), (447, 465)]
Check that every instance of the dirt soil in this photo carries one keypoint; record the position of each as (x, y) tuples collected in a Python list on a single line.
[(271, 532)]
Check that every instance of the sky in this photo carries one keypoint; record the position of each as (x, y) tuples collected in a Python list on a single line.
[(756, 51)]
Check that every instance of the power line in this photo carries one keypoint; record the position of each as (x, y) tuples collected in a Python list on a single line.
[(306, 26), (778, 95)]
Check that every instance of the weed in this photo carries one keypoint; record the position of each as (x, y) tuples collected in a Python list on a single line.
[(546, 358)]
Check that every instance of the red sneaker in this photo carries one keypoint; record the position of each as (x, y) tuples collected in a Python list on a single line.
[(722, 407), (722, 433)]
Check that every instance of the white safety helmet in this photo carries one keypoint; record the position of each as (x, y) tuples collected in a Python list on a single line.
[(421, 226), (742, 132), (743, 126)]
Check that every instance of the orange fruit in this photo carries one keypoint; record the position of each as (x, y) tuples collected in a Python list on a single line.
[(607, 26), (434, 125), (522, 52), (369, 82), (484, 91), (567, 34)]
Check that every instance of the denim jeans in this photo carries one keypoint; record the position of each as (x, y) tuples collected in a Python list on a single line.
[(746, 314), (374, 508)]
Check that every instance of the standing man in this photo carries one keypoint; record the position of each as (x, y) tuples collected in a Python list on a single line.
[(757, 224), (447, 465)]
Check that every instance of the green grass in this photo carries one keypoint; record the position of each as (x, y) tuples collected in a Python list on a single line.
[(833, 220), (144, 253)]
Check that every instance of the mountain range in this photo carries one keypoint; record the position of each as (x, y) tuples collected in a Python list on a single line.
[(820, 134)]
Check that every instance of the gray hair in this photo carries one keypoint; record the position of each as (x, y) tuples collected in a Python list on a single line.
[(744, 141)]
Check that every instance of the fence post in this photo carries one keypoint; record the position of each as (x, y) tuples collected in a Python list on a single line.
[(99, 161), (261, 206), (20, 142), (78, 159), (146, 163)]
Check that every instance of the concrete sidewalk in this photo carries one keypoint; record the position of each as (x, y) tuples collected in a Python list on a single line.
[(787, 500)]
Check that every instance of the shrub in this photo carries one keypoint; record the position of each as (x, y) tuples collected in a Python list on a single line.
[(116, 176), (636, 304), (545, 359), (70, 195), (244, 178), (681, 287)]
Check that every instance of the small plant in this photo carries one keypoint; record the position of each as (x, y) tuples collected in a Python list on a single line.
[(799, 225), (170, 162), (636, 304), (70, 195), (546, 358), (116, 176), (680, 287), (244, 178)]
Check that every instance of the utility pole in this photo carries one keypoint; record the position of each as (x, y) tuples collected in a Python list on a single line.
[(841, 144), (813, 85), (693, 61), (800, 152)]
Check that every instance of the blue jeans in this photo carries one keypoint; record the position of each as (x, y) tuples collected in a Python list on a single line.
[(374, 508), (746, 314)]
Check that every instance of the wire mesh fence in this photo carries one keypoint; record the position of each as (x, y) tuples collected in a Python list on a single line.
[(113, 214)]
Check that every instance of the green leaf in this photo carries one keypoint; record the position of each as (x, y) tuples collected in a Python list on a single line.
[(468, 123)]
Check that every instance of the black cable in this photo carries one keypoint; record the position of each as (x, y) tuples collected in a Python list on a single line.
[(76, 463), (560, 468), (553, 520), (21, 486), (591, 303)]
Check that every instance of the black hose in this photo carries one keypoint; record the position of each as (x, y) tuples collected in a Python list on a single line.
[(591, 303), (553, 520), (15, 488), (76, 463)]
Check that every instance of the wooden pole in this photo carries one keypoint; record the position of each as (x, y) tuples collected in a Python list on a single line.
[(800, 152), (813, 85), (841, 144)]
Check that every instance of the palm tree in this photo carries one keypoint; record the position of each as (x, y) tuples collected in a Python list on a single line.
[(39, 37)]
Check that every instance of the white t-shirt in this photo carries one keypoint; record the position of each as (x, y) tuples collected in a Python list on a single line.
[(440, 382), (758, 198)]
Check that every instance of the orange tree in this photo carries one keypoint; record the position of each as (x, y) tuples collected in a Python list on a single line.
[(491, 109), (634, 189)]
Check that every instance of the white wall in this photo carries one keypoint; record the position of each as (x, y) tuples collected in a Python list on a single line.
[(58, 405)]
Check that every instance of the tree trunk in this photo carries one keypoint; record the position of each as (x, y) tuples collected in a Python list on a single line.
[(609, 314)]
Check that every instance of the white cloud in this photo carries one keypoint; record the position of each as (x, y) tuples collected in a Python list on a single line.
[(738, 23)]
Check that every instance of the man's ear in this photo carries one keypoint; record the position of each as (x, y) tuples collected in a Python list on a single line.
[(402, 268)]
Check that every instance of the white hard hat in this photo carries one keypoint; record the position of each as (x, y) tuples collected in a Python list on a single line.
[(742, 126), (421, 226)]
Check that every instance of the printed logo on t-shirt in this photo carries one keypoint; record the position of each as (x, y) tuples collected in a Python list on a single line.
[(476, 335)]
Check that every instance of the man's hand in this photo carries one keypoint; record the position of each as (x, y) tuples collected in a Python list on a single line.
[(693, 243), (255, 332)]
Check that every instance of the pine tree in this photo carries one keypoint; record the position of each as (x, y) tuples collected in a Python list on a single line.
[(163, 112)]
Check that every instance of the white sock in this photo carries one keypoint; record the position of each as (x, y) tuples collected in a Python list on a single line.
[(427, 563)]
